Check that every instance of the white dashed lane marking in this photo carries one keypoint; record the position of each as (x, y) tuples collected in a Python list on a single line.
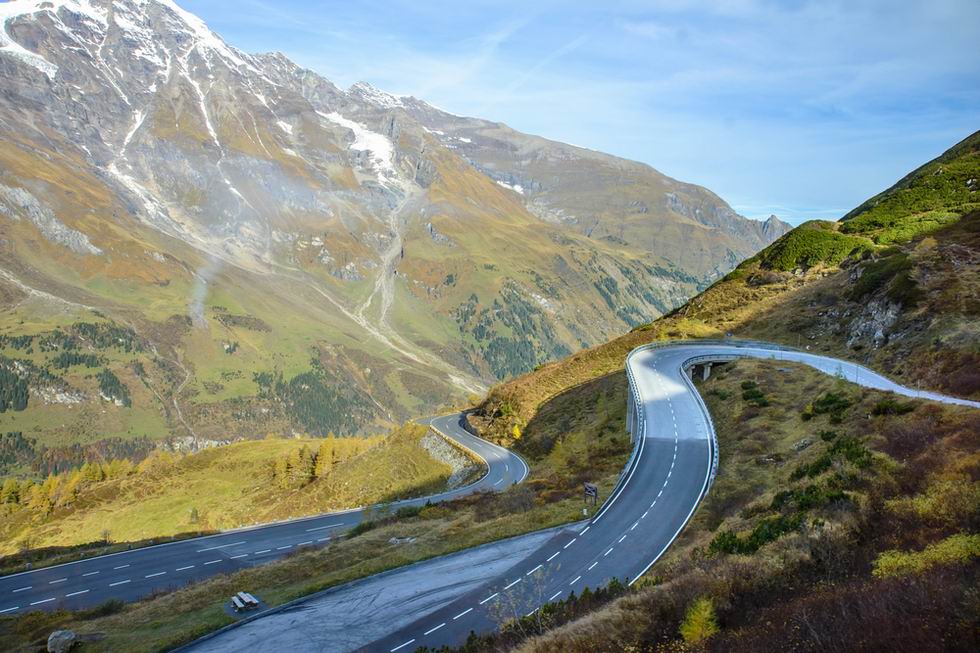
[(120, 582), (555, 595), (55, 582), (592, 566), (16, 607), (432, 630), (159, 573), (533, 570), (44, 601), (489, 598), (22, 589), (463, 613), (185, 568), (570, 543), (121, 567), (76, 593), (401, 646), (577, 579), (512, 584), (553, 556), (91, 573)]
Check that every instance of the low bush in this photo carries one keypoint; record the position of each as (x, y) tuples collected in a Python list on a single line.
[(892, 407)]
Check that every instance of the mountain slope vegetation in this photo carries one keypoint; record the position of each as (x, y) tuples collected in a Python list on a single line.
[(224, 487), (842, 518), (242, 216)]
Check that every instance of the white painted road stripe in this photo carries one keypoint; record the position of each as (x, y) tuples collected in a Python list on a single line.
[(592, 566), (432, 630), (464, 612), (553, 556), (44, 601), (262, 551), (240, 555), (183, 568), (22, 589), (402, 645), (121, 582), (577, 579), (221, 546), (60, 580), (585, 530), (121, 567), (323, 539), (320, 528), (489, 598), (16, 607), (308, 542), (211, 562), (555, 595), (498, 482), (531, 612), (159, 573), (570, 543), (282, 548), (607, 552), (512, 584), (92, 573), (533, 570), (76, 593), (622, 538)]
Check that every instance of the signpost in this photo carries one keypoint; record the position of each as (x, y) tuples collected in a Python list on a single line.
[(592, 492)]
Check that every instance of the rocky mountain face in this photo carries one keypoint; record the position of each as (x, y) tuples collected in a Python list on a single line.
[(283, 254)]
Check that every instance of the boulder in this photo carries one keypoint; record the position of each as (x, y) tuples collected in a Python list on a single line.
[(61, 641)]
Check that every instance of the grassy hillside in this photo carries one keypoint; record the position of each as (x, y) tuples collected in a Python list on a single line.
[(589, 442), (841, 519), (908, 308), (238, 484)]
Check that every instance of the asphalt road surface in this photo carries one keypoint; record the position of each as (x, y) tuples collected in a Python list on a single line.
[(661, 487), (131, 575)]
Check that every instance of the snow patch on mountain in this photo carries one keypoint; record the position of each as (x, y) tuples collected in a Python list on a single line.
[(375, 96), (381, 149), (517, 188)]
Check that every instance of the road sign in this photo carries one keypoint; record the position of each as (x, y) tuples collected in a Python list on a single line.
[(592, 492)]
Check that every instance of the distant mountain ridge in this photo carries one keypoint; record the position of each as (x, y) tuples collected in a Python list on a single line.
[(373, 255)]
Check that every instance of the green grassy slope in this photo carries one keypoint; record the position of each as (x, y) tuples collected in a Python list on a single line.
[(238, 484)]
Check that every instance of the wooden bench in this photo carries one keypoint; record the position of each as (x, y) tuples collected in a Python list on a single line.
[(244, 601), (248, 599)]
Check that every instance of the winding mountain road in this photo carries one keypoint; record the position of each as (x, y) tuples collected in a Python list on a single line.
[(672, 467), (674, 459), (131, 575)]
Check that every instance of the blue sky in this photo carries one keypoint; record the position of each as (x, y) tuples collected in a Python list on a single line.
[(803, 109)]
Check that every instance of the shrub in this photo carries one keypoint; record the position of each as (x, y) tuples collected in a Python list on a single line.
[(814, 469), (828, 403), (700, 622), (853, 451), (767, 530), (827, 436), (957, 548), (892, 407)]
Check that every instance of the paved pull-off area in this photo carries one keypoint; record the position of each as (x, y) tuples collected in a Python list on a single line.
[(131, 575)]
